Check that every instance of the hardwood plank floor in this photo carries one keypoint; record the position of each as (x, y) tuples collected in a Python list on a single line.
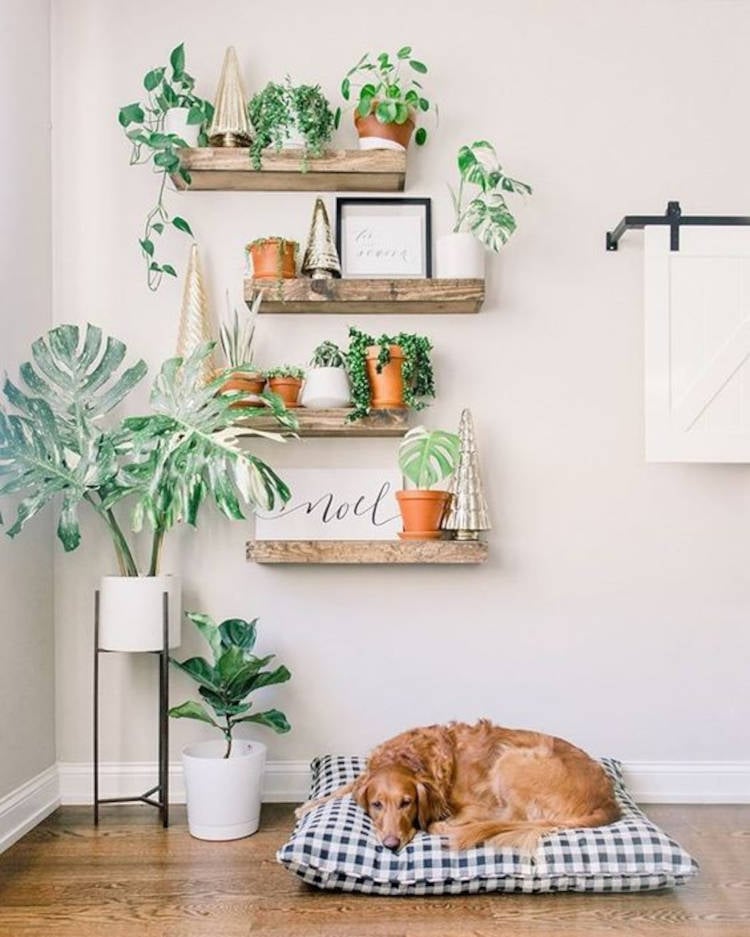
[(131, 877)]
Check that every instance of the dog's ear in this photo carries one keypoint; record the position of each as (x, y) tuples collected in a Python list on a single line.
[(431, 804), (359, 791)]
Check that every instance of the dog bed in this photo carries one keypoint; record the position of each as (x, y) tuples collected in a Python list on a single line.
[(334, 847)]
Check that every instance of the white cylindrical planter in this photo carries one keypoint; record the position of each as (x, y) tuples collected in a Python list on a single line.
[(460, 255), (379, 143), (131, 612), (223, 794), (324, 388), (175, 121)]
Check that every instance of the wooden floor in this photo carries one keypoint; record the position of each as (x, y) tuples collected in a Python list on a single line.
[(130, 877)]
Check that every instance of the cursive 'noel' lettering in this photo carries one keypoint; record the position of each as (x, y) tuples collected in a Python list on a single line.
[(331, 510)]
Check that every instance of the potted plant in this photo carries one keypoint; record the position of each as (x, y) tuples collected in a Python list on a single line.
[(223, 778), (326, 384), (389, 372), (273, 258), (171, 117), (425, 457), (389, 100), (483, 221), (56, 449), (236, 337), (286, 381), (287, 116)]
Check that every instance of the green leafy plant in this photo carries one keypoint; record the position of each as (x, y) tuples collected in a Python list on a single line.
[(283, 110), (328, 355), (487, 214), (426, 457), (416, 368), (167, 87), (54, 446), (286, 370), (384, 88), (227, 680), (237, 333)]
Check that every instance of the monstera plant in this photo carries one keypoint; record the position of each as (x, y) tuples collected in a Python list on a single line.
[(426, 457)]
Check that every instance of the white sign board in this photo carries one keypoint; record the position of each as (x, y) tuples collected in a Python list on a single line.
[(384, 247), (335, 504)]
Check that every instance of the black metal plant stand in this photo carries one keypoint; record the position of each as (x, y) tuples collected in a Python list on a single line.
[(161, 789), (674, 218)]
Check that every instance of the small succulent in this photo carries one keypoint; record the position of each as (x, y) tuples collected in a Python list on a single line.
[(328, 355)]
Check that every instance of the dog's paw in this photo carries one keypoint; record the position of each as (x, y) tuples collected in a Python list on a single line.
[(303, 810)]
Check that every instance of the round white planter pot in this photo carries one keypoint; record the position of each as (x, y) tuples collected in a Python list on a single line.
[(379, 143), (324, 388), (460, 255), (175, 121), (223, 794), (131, 612)]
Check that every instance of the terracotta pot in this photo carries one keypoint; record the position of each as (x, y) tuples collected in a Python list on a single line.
[(422, 513), (249, 384), (287, 388), (273, 259), (375, 135), (386, 387)]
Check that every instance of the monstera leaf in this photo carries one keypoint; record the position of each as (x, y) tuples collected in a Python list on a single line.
[(427, 456)]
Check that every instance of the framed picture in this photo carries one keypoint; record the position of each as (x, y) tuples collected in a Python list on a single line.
[(384, 238)]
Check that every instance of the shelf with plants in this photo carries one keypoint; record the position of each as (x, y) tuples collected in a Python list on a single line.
[(364, 552), (365, 296), (335, 421)]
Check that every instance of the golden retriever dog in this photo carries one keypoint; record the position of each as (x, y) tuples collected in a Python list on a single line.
[(479, 784)]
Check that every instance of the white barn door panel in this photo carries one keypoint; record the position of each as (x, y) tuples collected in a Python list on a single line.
[(697, 332)]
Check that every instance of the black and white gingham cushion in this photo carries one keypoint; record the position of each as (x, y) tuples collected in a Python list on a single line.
[(334, 847)]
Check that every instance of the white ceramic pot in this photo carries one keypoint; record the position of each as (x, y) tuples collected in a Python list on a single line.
[(379, 143), (223, 794), (131, 612), (324, 388), (175, 121), (293, 139), (460, 255)]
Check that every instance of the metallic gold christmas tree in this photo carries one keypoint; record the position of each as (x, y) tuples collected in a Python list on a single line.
[(467, 514), (321, 259), (230, 125), (195, 328)]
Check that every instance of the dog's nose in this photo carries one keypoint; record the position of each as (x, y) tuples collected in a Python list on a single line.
[(391, 842)]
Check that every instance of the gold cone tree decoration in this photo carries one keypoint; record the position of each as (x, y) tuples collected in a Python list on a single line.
[(195, 328), (467, 514), (321, 260), (230, 125)]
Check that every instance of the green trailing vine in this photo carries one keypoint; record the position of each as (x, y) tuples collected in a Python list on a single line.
[(416, 368), (282, 108)]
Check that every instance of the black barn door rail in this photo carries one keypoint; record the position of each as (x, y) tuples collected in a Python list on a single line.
[(675, 219)]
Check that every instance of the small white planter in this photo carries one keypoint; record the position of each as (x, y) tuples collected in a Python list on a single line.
[(131, 612), (379, 143), (460, 255), (324, 388), (293, 139), (223, 794), (175, 121)]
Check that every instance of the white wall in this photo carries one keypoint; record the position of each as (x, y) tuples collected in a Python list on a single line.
[(27, 728), (614, 607)]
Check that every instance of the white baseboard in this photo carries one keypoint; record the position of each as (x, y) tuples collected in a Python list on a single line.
[(678, 782), (27, 805)]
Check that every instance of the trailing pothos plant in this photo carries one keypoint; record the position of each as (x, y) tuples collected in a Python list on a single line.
[(416, 368), (55, 448), (227, 680), (281, 111), (486, 214), (166, 87)]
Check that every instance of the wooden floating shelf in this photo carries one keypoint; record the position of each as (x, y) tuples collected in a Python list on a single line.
[(230, 169), (362, 297), (334, 423), (367, 551)]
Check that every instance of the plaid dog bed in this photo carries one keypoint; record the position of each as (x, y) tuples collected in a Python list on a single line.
[(334, 847)]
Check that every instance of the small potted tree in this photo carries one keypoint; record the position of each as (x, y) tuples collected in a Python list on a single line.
[(287, 116), (483, 221), (326, 384), (273, 258), (286, 381), (425, 458), (236, 336), (223, 778)]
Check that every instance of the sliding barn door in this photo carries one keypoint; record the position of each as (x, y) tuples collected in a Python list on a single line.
[(697, 368)]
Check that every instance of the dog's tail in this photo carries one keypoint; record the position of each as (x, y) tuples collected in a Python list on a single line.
[(312, 804), (523, 835)]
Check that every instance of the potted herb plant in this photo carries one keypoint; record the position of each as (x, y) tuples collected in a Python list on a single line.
[(286, 381), (56, 449), (389, 372), (223, 778), (273, 258), (425, 457), (483, 221), (326, 384), (287, 116), (236, 337), (171, 117), (389, 98)]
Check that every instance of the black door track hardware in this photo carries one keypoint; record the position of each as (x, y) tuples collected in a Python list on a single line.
[(675, 219)]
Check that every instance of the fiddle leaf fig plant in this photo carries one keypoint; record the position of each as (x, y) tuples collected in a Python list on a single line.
[(487, 214), (227, 680), (426, 457)]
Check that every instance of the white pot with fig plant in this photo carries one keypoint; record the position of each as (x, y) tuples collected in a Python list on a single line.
[(224, 779), (326, 382), (483, 222)]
